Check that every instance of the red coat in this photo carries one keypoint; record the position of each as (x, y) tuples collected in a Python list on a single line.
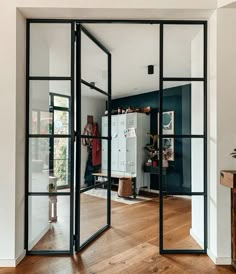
[(96, 149)]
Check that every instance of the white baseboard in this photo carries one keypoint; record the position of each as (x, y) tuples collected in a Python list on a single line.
[(39, 237), (12, 262), (20, 257), (219, 260), (196, 238)]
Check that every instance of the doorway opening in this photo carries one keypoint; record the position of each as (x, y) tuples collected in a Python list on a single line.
[(116, 115)]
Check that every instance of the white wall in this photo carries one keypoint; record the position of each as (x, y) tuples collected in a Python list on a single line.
[(226, 131), (8, 132), (137, 4), (223, 3), (20, 136), (212, 137)]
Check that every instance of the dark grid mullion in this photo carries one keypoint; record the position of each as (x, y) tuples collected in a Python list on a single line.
[(109, 140), (93, 237), (161, 217), (51, 21), (183, 79), (48, 252), (95, 137), (91, 37), (179, 251), (71, 140), (61, 108), (125, 21), (49, 136), (51, 139), (205, 141), (94, 87), (49, 193), (26, 223), (180, 193), (82, 190), (78, 143), (60, 95), (49, 78)]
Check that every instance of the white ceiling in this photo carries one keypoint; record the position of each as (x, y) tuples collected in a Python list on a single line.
[(133, 48)]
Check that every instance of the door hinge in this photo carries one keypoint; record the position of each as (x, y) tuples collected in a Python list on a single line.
[(75, 239)]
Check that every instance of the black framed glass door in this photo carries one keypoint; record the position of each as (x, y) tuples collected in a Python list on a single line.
[(93, 146), (49, 203), (183, 137), (59, 126)]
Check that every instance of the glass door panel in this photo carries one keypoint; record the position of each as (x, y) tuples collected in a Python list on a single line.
[(94, 150), (182, 145), (183, 222), (50, 142), (50, 49)]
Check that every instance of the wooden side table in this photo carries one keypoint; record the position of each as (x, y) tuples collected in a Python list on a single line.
[(228, 179)]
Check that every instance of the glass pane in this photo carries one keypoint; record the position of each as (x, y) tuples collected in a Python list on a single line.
[(183, 222), (50, 49), (93, 107), (93, 212), (133, 48), (62, 162), (49, 223), (94, 63), (183, 51), (49, 164), (183, 108), (183, 165), (61, 122), (60, 101), (93, 161), (41, 106)]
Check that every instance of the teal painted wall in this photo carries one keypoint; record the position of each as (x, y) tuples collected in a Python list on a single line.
[(177, 99)]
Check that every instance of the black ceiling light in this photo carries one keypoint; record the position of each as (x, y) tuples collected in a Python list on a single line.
[(151, 69)]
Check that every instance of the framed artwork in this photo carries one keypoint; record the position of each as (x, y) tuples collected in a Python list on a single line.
[(168, 126), (168, 122)]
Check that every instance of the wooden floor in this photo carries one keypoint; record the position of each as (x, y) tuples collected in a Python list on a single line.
[(131, 245)]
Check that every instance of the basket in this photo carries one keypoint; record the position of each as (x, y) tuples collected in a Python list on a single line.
[(125, 187)]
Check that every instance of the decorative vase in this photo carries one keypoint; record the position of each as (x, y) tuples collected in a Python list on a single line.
[(165, 163)]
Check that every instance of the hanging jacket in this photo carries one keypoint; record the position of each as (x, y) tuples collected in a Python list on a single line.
[(96, 149)]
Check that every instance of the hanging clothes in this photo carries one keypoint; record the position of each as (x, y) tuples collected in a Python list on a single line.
[(88, 177), (96, 146)]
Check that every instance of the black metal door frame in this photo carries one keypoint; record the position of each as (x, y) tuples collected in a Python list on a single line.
[(79, 82), (163, 192), (49, 136), (78, 135)]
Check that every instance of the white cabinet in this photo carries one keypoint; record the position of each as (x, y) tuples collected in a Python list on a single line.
[(115, 143), (127, 154)]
